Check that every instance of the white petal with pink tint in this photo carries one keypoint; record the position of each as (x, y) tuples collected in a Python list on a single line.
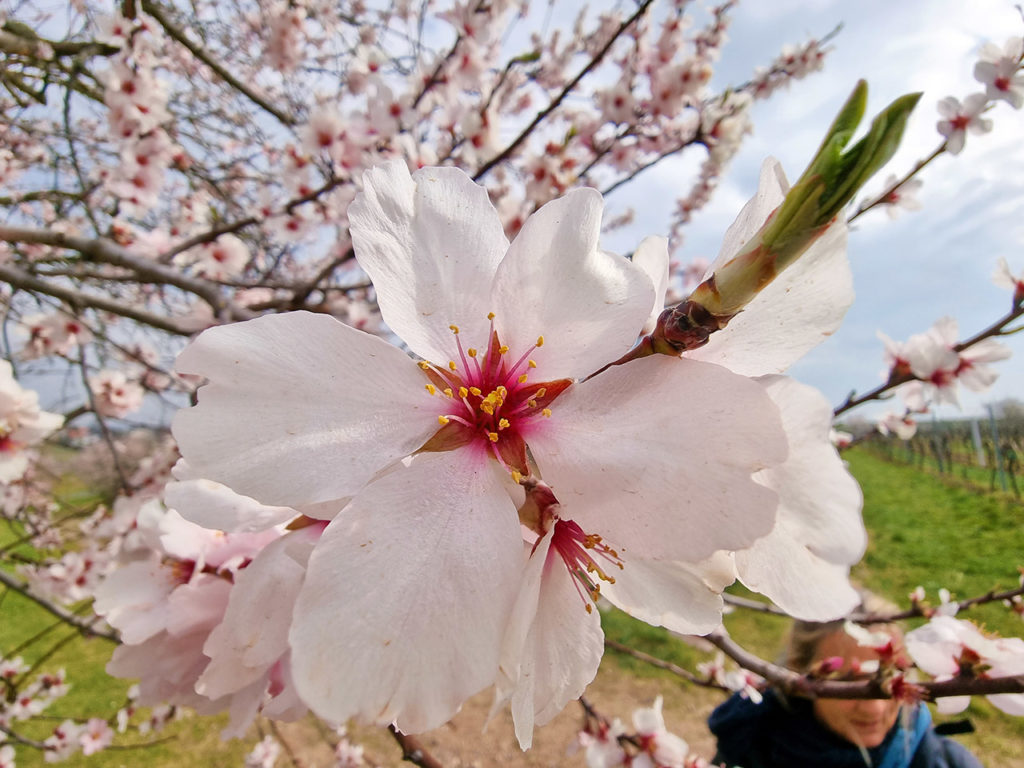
[(678, 596), (430, 243), (213, 505), (652, 257), (408, 594), (254, 633), (553, 646), (803, 564), (289, 419), (794, 313), (588, 305), (656, 456)]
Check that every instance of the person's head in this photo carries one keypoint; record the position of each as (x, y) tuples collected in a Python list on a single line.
[(863, 722)]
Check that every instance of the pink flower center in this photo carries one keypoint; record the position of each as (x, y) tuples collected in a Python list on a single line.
[(581, 553), (491, 400)]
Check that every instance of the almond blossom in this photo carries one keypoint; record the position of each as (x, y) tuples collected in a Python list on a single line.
[(946, 647), (1004, 278), (407, 602), (999, 71), (959, 118), (22, 424)]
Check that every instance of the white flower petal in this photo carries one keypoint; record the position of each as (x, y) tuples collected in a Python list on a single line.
[(408, 594), (803, 563), (656, 456), (300, 408), (652, 257), (213, 505), (554, 282), (667, 594), (796, 311), (254, 633), (430, 243), (561, 651)]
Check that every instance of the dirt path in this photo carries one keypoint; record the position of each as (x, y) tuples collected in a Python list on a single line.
[(463, 743)]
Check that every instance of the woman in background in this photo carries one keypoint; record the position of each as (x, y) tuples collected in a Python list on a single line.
[(781, 732)]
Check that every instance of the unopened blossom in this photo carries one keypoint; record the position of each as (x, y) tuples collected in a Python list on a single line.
[(946, 647), (959, 118), (22, 424), (999, 70), (385, 625)]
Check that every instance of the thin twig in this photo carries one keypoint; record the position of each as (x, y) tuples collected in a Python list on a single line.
[(556, 102), (413, 750), (69, 618), (668, 666)]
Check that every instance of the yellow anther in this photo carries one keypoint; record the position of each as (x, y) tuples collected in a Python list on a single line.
[(516, 476), (532, 363), (503, 349), (453, 328), (451, 365), (492, 436), (547, 413), (442, 420), (448, 392), (431, 389), (471, 352), (540, 341), (531, 403), (590, 608), (502, 392), (424, 365), (503, 424), (490, 315), (463, 392), (475, 391), (522, 378), (541, 392)]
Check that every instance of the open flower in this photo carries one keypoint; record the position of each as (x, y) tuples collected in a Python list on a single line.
[(409, 592)]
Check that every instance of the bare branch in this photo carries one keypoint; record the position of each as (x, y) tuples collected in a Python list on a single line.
[(27, 282), (178, 34), (63, 614), (413, 750)]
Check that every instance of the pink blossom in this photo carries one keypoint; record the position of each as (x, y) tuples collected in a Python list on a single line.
[(22, 425), (509, 331), (115, 396), (264, 754), (902, 197), (958, 119), (1004, 278), (659, 748), (999, 71), (946, 647), (96, 736)]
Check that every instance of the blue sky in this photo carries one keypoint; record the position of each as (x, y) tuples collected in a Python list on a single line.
[(929, 263)]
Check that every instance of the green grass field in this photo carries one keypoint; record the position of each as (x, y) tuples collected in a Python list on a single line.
[(922, 532)]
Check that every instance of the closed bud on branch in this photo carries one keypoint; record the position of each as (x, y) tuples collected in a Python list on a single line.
[(834, 176)]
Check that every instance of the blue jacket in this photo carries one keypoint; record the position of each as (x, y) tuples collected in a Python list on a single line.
[(780, 733)]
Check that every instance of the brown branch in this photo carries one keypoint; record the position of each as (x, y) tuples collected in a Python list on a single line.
[(925, 611), (196, 50), (109, 252), (27, 282), (557, 101), (668, 666), (413, 750), (64, 615), (996, 329), (885, 194), (794, 684), (753, 605)]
